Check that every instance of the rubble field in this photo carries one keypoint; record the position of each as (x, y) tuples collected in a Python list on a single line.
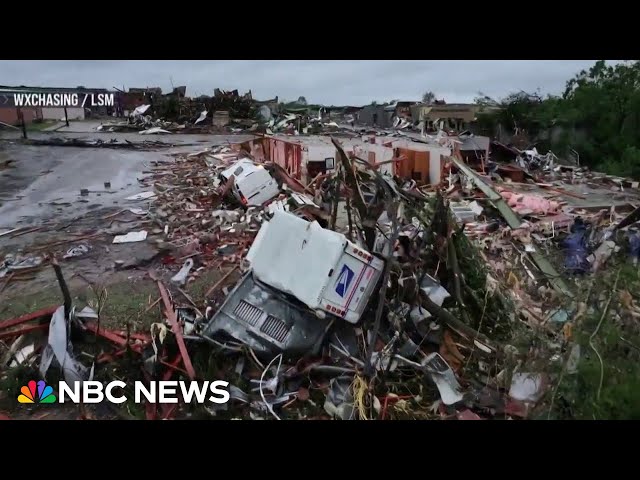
[(504, 290)]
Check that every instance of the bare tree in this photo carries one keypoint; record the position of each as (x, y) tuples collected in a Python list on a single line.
[(428, 97)]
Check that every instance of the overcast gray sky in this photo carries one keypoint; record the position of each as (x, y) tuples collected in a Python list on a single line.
[(337, 82)]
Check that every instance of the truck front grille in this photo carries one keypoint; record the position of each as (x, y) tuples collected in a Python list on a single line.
[(275, 328), (247, 312)]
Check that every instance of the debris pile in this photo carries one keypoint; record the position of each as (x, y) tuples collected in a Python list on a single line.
[(224, 112), (141, 123), (419, 302), (98, 143)]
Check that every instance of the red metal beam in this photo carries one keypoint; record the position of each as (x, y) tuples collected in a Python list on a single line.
[(173, 320), (172, 366), (136, 336), (29, 316), (112, 337), (22, 331)]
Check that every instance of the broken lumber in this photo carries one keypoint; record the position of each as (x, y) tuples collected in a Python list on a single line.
[(219, 282), (175, 326), (514, 222)]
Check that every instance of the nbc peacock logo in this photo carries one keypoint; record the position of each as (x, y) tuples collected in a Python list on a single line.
[(38, 392)]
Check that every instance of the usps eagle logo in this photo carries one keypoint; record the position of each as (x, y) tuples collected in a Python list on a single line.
[(344, 280)]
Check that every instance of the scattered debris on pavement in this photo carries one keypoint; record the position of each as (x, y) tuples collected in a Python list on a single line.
[(369, 290)]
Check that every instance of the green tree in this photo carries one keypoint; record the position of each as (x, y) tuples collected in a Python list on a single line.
[(598, 113), (605, 103)]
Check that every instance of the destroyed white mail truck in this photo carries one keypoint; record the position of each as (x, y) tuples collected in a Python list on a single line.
[(319, 267), (253, 184)]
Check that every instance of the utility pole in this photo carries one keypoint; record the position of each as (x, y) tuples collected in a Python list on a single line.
[(66, 117), (24, 127)]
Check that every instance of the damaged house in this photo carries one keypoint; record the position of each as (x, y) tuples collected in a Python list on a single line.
[(374, 115), (357, 273), (473, 149), (400, 113), (137, 97), (451, 116)]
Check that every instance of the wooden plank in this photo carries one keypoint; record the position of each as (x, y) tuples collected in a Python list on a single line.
[(175, 326)]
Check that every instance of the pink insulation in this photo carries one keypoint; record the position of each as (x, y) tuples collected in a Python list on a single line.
[(530, 204)]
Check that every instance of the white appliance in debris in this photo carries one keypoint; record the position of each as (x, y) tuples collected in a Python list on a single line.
[(253, 184), (319, 267)]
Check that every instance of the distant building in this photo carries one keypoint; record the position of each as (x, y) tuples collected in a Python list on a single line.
[(383, 116), (136, 97), (375, 116), (148, 91), (454, 116), (179, 92), (401, 109)]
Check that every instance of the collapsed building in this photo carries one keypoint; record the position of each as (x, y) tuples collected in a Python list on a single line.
[(392, 272)]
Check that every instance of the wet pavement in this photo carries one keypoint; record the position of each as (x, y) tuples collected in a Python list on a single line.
[(40, 186), (46, 181)]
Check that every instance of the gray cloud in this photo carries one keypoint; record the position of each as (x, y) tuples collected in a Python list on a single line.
[(338, 82)]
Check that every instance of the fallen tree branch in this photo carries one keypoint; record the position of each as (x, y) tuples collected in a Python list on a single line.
[(454, 270), (349, 219), (335, 201), (455, 324), (63, 286), (393, 211), (351, 181), (595, 332), (219, 282)]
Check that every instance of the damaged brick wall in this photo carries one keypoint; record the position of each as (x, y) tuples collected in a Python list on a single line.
[(416, 165), (285, 154), (12, 117)]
